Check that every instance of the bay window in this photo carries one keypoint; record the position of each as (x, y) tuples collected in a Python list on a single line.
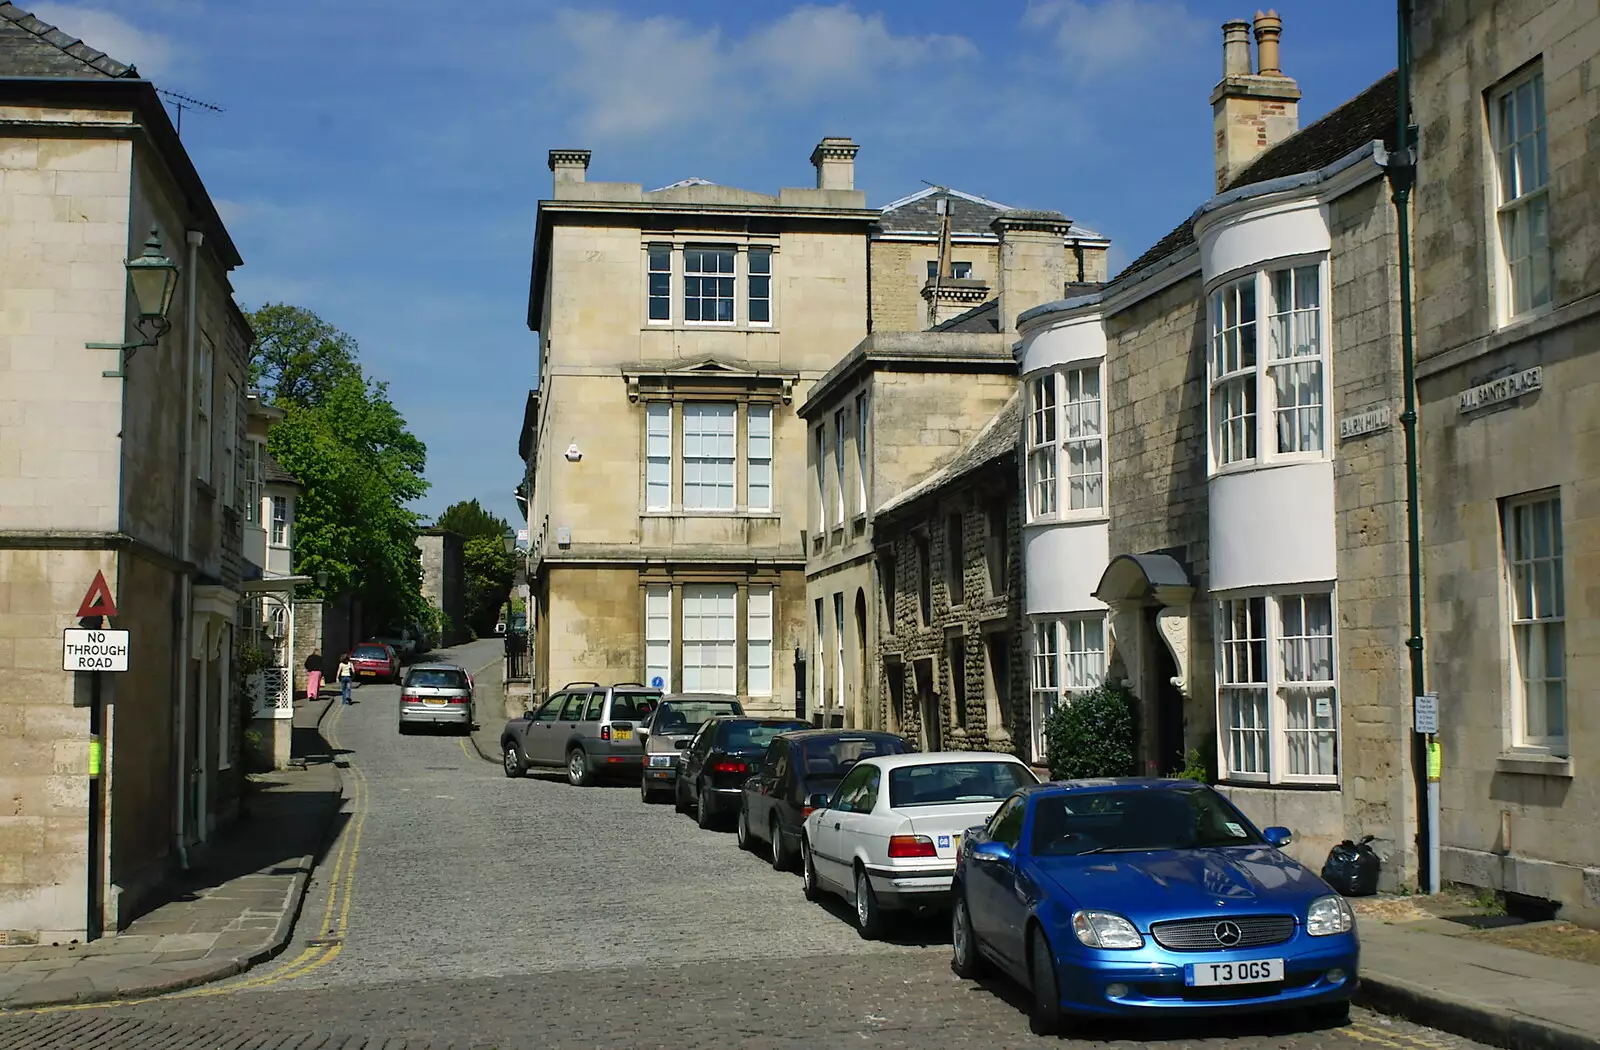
[(1042, 446), (1069, 658), (710, 638), (1066, 443), (1291, 377), (1277, 706), (280, 521), (255, 469)]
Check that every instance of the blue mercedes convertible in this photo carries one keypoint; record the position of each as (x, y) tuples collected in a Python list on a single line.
[(1146, 897)]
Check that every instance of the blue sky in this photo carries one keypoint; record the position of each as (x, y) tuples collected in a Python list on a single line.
[(381, 161)]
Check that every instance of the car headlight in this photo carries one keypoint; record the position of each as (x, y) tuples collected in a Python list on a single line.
[(1104, 929), (1329, 915)]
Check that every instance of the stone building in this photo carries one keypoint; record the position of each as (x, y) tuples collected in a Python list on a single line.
[(893, 412), (443, 582), (117, 461), (1214, 497), (1507, 263), (951, 665)]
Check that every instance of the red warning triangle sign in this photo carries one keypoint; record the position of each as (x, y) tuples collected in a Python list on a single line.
[(98, 601)]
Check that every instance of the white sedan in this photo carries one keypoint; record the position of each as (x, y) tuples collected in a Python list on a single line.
[(888, 837)]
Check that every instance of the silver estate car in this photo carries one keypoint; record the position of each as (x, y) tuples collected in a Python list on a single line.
[(669, 731), (588, 729), (437, 694)]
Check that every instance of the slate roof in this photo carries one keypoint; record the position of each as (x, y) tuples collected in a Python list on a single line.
[(30, 47), (1370, 115), (997, 439), (273, 472), (969, 214)]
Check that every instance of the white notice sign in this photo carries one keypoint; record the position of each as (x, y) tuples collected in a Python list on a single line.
[(94, 651), (1426, 713)]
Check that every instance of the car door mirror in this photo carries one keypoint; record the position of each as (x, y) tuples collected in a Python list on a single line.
[(818, 800), (1278, 837), (992, 852)]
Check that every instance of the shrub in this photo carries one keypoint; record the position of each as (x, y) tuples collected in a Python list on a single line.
[(1092, 735), (1195, 767)]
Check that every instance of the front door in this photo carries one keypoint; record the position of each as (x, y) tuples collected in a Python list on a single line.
[(1167, 742)]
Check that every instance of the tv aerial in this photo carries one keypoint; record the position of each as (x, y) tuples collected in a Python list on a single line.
[(182, 102)]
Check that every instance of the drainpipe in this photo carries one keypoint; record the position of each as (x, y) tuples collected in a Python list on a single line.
[(191, 320), (1401, 167)]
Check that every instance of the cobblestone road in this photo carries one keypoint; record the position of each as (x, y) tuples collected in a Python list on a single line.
[(464, 909)]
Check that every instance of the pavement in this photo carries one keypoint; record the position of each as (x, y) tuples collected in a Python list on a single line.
[(457, 907), (233, 909)]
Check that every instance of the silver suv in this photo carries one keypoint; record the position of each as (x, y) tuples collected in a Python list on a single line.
[(589, 729)]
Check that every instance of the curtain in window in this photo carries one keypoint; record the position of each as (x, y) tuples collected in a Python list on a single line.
[(1296, 338), (1243, 684), (1083, 439), (1310, 713)]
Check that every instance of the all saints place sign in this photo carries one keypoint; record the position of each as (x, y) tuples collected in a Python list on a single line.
[(1506, 388)]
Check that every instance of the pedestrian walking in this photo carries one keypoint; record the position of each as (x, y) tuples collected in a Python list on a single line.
[(346, 672), (314, 676)]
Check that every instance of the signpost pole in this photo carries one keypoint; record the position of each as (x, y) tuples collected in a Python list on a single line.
[(96, 918)]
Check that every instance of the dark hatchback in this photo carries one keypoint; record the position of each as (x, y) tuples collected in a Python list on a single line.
[(724, 753), (797, 766)]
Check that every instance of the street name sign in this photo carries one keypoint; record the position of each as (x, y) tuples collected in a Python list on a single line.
[(94, 650), (1503, 389), (1369, 422)]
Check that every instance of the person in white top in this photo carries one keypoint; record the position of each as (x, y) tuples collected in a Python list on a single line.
[(346, 672)]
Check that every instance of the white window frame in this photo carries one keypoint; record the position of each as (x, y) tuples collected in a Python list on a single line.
[(820, 450), (861, 452), (1255, 340), (1521, 180), (1536, 617), (758, 641), (722, 454), (714, 606), (254, 479), (817, 671), (701, 274), (1066, 450), (838, 469), (227, 484), (752, 276), (205, 377), (652, 256), (758, 458), (658, 634), (658, 456), (1043, 430), (1067, 657), (1268, 663), (838, 649), (278, 528)]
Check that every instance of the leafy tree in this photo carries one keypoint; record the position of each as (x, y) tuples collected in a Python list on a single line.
[(360, 465), (469, 520), (1092, 735), (488, 570)]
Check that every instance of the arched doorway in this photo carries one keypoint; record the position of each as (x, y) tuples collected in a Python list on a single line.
[(1149, 596)]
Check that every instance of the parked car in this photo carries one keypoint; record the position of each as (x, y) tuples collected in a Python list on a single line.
[(887, 839), (400, 640), (437, 694), (375, 660), (1128, 897), (713, 769), (797, 766), (420, 635), (587, 728), (670, 729)]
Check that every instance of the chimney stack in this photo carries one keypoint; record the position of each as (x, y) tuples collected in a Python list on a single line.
[(1253, 109), (569, 165), (835, 161)]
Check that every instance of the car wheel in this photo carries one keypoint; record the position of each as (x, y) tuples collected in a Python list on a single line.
[(578, 772), (1045, 1018), (742, 829), (869, 917), (678, 804), (702, 808), (1330, 1015), (964, 957), (808, 872), (645, 794), (515, 765), (780, 852)]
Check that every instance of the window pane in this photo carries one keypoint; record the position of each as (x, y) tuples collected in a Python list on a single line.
[(1534, 570), (658, 636), (708, 455), (658, 456), (758, 458), (1245, 714), (758, 634), (709, 638), (708, 297)]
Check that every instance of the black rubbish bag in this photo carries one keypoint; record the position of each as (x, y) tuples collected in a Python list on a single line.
[(1352, 868)]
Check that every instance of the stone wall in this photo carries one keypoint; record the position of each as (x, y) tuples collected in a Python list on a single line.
[(900, 269), (442, 582)]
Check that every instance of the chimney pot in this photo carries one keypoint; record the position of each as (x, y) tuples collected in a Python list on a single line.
[(569, 165), (1235, 48), (835, 161), (1268, 28)]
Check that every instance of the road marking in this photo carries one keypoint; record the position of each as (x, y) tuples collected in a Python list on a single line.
[(470, 754)]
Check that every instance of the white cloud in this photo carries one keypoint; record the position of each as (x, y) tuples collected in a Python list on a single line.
[(1100, 36), (631, 78), (154, 54)]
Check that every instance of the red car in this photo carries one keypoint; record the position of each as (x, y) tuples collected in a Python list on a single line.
[(375, 660)]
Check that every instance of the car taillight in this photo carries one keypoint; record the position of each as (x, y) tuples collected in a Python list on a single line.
[(905, 846), (458, 699), (407, 698), (605, 732), (728, 766), (806, 811)]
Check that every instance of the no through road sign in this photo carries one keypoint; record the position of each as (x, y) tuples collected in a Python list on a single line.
[(94, 650)]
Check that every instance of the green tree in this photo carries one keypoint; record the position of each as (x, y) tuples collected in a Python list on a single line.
[(360, 465), (1092, 735), (469, 520), (487, 568)]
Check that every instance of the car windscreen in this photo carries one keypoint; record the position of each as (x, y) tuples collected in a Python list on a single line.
[(749, 736), (436, 678), (632, 707), (1135, 821), (679, 716), (369, 652), (834, 756), (944, 783)]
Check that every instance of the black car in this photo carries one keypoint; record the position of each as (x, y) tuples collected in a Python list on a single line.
[(796, 767), (715, 766)]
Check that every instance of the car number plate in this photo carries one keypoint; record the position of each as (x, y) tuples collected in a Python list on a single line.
[(623, 734), (437, 701), (369, 674), (1255, 971)]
